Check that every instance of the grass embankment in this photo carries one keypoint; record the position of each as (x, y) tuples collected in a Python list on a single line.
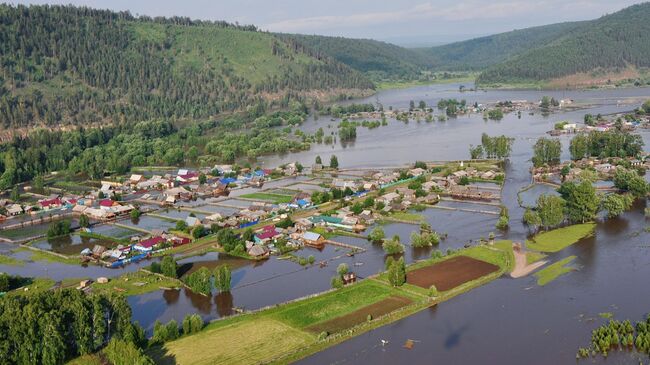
[(406, 217), (273, 198), (93, 359), (10, 261), (500, 254), (39, 285), (136, 283), (532, 257), (558, 239), (554, 271), (403, 84), (273, 333), (41, 255)]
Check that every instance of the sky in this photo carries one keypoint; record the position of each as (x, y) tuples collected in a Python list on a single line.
[(406, 22)]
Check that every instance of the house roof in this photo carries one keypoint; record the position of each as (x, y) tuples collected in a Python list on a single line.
[(311, 236), (106, 203), (50, 202), (192, 221), (148, 243), (257, 250)]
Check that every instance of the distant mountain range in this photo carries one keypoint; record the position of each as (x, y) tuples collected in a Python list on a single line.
[(575, 53), (65, 64)]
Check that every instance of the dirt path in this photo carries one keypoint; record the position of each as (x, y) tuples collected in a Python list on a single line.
[(521, 268)]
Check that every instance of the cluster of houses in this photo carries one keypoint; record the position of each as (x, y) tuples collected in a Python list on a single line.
[(265, 239), (91, 206), (605, 168), (137, 250)]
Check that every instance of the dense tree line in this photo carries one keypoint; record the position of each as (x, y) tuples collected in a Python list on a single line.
[(612, 143), (51, 327), (613, 42), (65, 64)]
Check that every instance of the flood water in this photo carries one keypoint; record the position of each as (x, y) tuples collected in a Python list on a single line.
[(504, 322), (507, 321)]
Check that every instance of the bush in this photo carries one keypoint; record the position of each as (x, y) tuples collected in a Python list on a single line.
[(433, 291), (58, 228), (342, 269), (393, 246), (311, 259), (377, 235), (337, 282), (323, 335), (192, 323), (503, 223), (168, 267), (199, 281), (222, 278), (397, 273), (119, 352)]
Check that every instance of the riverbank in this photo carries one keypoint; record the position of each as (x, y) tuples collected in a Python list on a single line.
[(310, 325)]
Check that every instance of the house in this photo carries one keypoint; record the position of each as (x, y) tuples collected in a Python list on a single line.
[(136, 178), (101, 214), (187, 176), (313, 239), (214, 217), (149, 244), (303, 224), (177, 194), (192, 221), (416, 171), (408, 194), (268, 233), (258, 251), (388, 198), (106, 204), (349, 278), (14, 209), (179, 241), (369, 186), (79, 209), (429, 185), (50, 203), (488, 175), (604, 167)]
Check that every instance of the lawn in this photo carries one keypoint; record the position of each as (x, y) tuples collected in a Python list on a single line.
[(558, 239), (274, 198), (136, 283), (7, 260), (554, 271), (241, 342), (336, 304)]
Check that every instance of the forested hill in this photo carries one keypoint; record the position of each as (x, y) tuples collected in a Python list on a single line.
[(612, 43), (479, 53), (378, 60), (64, 64)]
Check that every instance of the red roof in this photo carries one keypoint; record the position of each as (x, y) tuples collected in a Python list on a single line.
[(189, 175), (72, 201), (106, 203), (49, 202), (151, 242), (267, 232), (179, 241)]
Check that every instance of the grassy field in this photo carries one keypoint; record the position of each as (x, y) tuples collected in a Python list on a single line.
[(274, 198), (242, 342), (554, 271), (255, 338), (6, 260), (338, 303), (86, 360), (137, 283), (406, 216), (38, 255), (558, 239), (532, 257)]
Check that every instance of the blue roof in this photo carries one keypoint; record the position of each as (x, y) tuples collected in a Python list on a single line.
[(302, 202), (227, 180)]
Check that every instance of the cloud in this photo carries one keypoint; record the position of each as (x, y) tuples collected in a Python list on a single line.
[(464, 10), (467, 10)]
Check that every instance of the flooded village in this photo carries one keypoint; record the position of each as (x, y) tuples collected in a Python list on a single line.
[(302, 221)]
